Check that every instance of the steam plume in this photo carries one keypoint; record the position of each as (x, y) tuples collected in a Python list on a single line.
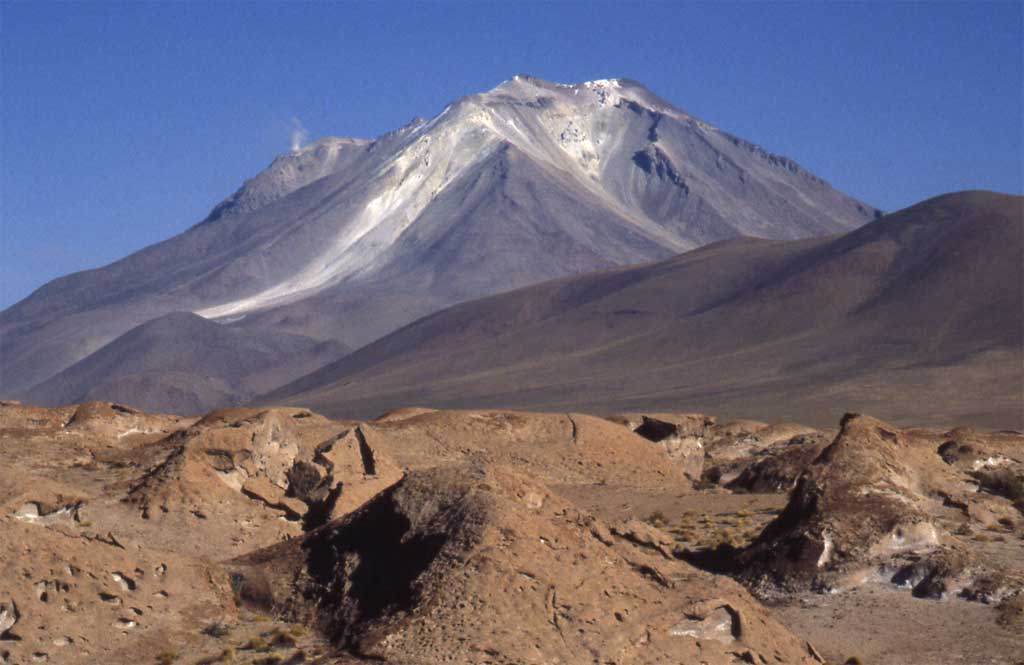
[(299, 134)]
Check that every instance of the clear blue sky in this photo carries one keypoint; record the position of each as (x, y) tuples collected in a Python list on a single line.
[(123, 124)]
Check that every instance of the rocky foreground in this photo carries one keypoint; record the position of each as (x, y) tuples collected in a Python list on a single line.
[(280, 536)]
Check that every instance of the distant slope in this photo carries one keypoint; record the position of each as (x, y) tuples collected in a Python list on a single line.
[(347, 240), (185, 364), (916, 317)]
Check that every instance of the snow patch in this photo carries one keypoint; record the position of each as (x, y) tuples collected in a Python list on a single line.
[(603, 83)]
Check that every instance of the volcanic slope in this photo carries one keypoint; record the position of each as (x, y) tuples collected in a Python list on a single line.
[(183, 363), (916, 317), (347, 240)]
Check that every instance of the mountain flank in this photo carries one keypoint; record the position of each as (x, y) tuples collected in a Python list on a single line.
[(183, 363), (917, 316), (345, 240)]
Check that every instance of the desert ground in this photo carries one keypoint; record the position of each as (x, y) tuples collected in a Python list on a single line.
[(276, 535)]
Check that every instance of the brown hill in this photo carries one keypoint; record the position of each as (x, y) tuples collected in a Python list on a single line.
[(918, 317), (476, 564), (183, 363), (879, 502)]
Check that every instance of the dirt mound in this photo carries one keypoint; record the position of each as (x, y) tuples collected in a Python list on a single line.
[(777, 468), (885, 504), (476, 564), (403, 413), (567, 448), (779, 451), (95, 418), (276, 471), (17, 416)]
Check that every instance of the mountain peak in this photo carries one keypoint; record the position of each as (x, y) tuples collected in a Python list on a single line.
[(527, 79), (608, 92), (348, 239)]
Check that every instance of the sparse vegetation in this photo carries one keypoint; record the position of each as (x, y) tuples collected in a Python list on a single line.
[(167, 657), (728, 536), (225, 657), (297, 630), (256, 644), (280, 637), (218, 629), (267, 660), (694, 531), (656, 519)]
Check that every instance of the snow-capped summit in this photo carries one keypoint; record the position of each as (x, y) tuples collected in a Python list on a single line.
[(347, 239)]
